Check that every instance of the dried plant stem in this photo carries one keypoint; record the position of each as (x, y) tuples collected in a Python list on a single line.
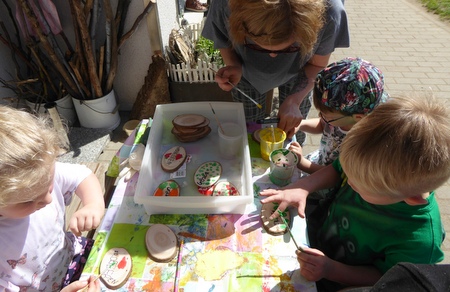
[(136, 23), (43, 69), (101, 61), (47, 47), (111, 46), (86, 46)]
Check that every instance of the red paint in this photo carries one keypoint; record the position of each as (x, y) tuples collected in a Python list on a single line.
[(123, 263)]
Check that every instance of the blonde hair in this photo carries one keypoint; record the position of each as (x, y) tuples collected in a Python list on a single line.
[(28, 151), (401, 149), (272, 22)]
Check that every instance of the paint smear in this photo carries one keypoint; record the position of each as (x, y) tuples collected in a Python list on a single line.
[(213, 265)]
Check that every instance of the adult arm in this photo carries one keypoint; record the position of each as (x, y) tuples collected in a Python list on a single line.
[(89, 216), (295, 194), (289, 112)]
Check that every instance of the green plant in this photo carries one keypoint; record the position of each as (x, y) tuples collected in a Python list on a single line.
[(205, 50), (439, 7)]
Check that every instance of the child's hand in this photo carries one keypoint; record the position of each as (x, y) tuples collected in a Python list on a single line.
[(94, 286), (314, 264), (287, 197), (297, 149), (86, 218)]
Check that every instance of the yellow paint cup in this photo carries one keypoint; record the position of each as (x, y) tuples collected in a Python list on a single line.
[(271, 139)]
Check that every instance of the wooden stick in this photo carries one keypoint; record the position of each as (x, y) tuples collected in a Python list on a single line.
[(112, 38), (100, 63), (47, 46), (136, 23), (121, 15), (87, 47)]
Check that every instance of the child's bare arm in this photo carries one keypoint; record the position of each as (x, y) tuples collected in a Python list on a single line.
[(303, 163), (314, 265), (311, 126), (89, 216), (308, 166)]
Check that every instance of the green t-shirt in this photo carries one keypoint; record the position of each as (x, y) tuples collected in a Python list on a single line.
[(356, 232)]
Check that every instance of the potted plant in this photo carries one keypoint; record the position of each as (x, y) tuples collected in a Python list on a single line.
[(85, 70)]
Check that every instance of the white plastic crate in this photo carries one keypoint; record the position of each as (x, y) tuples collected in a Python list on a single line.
[(237, 171)]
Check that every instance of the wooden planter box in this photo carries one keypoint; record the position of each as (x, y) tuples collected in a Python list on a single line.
[(197, 83), (207, 91)]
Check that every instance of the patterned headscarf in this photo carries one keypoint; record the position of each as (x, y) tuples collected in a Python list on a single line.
[(352, 85)]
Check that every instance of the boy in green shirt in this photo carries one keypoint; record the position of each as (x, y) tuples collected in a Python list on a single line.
[(383, 210)]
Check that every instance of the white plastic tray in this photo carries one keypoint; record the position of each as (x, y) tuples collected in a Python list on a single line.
[(237, 171)]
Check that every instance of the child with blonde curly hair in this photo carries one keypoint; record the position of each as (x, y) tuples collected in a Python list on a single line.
[(36, 253)]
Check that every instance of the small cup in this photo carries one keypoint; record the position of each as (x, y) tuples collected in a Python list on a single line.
[(268, 144), (230, 142), (283, 163)]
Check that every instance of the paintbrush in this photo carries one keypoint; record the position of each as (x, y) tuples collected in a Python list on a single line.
[(217, 120), (177, 273), (290, 232), (243, 93), (95, 279)]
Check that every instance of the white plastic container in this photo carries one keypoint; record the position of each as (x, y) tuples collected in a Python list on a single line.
[(237, 171)]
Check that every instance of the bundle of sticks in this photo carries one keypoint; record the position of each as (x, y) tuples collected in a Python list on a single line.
[(85, 70)]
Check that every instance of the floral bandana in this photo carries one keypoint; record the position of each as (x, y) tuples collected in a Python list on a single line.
[(352, 85)]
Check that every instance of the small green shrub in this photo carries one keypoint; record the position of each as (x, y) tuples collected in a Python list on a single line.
[(205, 50)]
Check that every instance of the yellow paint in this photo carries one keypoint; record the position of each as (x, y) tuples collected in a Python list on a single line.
[(213, 265)]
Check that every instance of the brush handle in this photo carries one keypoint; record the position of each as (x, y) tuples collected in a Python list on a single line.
[(243, 93), (178, 271)]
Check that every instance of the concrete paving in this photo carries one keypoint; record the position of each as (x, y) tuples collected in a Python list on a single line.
[(412, 48)]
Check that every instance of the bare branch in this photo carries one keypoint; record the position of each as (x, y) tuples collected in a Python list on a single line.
[(136, 23)]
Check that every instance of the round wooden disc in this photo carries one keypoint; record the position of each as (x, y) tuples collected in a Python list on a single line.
[(208, 174), (256, 137), (276, 226), (173, 159), (161, 243), (225, 188), (184, 138), (115, 268), (169, 188), (188, 120)]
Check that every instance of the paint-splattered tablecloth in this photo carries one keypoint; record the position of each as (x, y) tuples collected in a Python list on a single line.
[(229, 252)]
